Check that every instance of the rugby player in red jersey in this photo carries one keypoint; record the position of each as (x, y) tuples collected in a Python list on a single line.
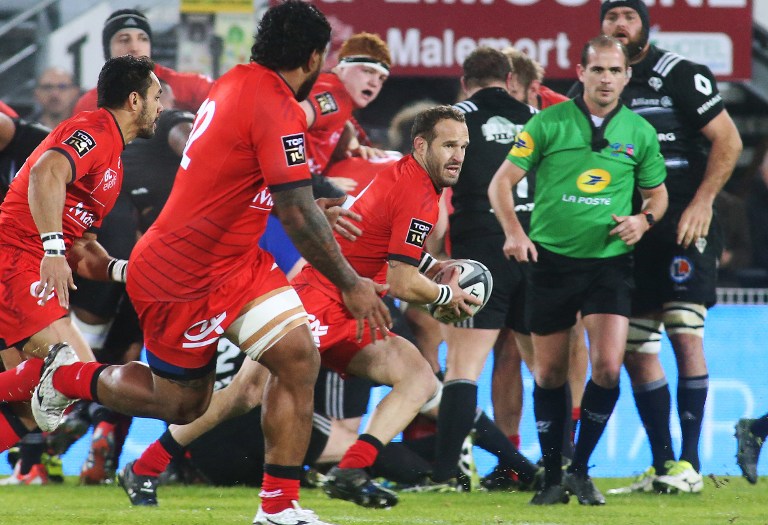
[(198, 273), (64, 189)]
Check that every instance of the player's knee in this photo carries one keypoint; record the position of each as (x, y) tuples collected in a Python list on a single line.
[(643, 337), (188, 410), (682, 318)]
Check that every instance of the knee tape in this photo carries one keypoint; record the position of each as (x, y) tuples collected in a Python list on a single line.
[(684, 318), (433, 401), (94, 334), (265, 322), (644, 336)]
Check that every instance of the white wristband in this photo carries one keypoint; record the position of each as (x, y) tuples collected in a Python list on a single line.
[(444, 296), (53, 244), (117, 270), (426, 262)]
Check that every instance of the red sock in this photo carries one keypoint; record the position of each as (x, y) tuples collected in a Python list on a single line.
[(360, 455), (18, 383), (575, 414), (11, 429), (278, 493), (74, 381), (515, 440), (153, 461)]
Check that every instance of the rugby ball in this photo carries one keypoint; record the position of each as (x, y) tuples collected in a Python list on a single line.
[(475, 279)]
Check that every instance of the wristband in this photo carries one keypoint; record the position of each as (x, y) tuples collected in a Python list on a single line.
[(444, 296), (649, 217), (426, 262), (117, 270), (53, 244), (53, 241)]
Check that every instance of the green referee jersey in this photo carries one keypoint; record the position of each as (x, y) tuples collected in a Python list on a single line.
[(578, 189)]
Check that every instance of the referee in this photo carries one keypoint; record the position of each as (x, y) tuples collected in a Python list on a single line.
[(590, 154)]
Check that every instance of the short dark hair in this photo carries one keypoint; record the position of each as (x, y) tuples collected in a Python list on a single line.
[(484, 66), (425, 122), (120, 77), (603, 42), (288, 34)]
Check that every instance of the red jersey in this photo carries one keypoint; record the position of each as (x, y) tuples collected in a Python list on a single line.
[(333, 108), (399, 210), (547, 97), (247, 140), (189, 90), (92, 142), (8, 110)]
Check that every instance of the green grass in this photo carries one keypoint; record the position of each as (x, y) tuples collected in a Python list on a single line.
[(726, 500)]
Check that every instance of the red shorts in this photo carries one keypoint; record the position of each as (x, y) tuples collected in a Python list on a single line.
[(20, 315), (181, 337), (334, 330)]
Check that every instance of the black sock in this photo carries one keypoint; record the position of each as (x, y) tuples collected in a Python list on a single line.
[(398, 463), (691, 397), (760, 427), (171, 445), (31, 448), (318, 439), (490, 438), (653, 405), (596, 408), (454, 422), (100, 413), (568, 424), (549, 410)]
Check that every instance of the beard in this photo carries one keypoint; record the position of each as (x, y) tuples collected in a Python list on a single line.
[(635, 46), (146, 124), (306, 86)]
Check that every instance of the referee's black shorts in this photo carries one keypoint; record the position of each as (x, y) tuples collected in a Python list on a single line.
[(562, 286), (506, 307)]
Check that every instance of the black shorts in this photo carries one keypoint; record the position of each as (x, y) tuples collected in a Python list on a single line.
[(562, 286), (506, 307), (667, 272), (341, 398)]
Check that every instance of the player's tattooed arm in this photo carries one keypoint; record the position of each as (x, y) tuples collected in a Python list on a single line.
[(310, 231)]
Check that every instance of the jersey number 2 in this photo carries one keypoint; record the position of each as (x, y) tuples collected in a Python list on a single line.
[(202, 121)]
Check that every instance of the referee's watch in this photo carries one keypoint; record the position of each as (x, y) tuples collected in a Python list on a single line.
[(649, 218)]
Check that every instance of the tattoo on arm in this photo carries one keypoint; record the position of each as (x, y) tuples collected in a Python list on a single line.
[(310, 232)]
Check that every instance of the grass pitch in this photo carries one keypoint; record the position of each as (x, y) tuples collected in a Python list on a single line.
[(724, 501)]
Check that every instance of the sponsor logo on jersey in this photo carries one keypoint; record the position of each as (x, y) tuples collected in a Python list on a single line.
[(702, 84), (326, 102), (655, 83), (109, 179), (708, 104), (293, 146), (263, 200), (417, 232), (318, 330), (80, 214), (617, 148), (701, 244), (204, 333), (498, 129), (523, 145), (593, 181), (81, 141), (666, 102), (681, 269), (667, 137)]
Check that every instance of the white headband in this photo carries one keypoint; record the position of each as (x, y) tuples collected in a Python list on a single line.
[(363, 60)]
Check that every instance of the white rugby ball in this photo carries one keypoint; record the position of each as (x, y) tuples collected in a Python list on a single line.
[(475, 279)]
